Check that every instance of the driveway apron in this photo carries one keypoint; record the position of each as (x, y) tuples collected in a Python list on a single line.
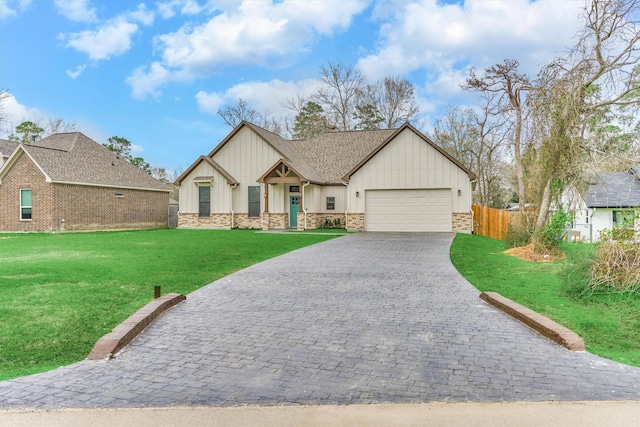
[(365, 318)]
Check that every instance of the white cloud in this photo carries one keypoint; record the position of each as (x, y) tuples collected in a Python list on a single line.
[(74, 74), (9, 8), (431, 35), (270, 96), (168, 9), (253, 33), (144, 81), (141, 15), (76, 10), (112, 38), (15, 114)]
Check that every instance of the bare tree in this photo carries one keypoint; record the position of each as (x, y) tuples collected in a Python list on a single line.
[(477, 140), (4, 96), (58, 125), (600, 75), (234, 114), (393, 99), (339, 95), (510, 86)]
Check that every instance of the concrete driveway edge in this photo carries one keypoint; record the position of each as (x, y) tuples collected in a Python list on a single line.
[(543, 325)]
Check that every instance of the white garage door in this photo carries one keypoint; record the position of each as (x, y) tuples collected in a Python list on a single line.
[(408, 210)]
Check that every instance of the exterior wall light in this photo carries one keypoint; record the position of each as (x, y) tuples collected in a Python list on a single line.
[(459, 193), (357, 194)]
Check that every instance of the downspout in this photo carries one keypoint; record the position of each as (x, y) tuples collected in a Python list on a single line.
[(231, 205), (304, 207), (346, 213)]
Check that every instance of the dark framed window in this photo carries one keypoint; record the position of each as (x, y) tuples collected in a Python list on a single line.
[(204, 199), (294, 189), (331, 203), (25, 204), (254, 201)]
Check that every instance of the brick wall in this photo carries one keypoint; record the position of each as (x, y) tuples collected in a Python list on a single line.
[(82, 207), (97, 208), (462, 222), (25, 175)]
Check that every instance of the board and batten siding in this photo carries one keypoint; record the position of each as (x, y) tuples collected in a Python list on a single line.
[(409, 162), (220, 191), (316, 198), (246, 157)]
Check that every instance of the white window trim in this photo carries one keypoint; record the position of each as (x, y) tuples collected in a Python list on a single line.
[(24, 206)]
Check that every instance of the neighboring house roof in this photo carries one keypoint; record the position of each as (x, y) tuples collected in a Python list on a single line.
[(73, 158), (615, 190), (7, 147), (328, 158)]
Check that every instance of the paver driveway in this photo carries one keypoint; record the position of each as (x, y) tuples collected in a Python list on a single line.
[(364, 318)]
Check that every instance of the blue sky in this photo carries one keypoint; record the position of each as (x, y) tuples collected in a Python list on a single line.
[(155, 72)]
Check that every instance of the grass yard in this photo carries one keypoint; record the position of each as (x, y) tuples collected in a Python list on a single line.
[(608, 323), (59, 293)]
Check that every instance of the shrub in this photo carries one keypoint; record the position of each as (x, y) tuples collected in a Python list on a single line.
[(548, 239), (520, 230), (616, 262)]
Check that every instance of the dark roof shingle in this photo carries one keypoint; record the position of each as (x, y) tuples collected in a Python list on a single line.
[(615, 190)]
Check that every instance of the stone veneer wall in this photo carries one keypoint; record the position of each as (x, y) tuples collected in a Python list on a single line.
[(192, 220), (243, 221), (316, 220), (355, 221), (462, 222), (274, 220)]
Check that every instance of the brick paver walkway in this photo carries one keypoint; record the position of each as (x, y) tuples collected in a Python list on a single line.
[(365, 318)]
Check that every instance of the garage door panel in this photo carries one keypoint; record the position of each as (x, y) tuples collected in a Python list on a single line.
[(408, 210)]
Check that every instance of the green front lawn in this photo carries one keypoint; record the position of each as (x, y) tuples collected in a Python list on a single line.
[(608, 323), (59, 293)]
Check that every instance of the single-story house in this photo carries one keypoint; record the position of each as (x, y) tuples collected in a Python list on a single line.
[(67, 181), (609, 199), (378, 180)]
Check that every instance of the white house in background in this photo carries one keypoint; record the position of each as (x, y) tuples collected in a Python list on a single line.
[(608, 200), (380, 180)]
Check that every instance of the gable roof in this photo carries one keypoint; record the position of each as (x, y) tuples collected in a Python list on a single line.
[(7, 147), (471, 175), (73, 158), (230, 180), (615, 190)]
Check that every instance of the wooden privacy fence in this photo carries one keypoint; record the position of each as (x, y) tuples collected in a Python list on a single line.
[(490, 222)]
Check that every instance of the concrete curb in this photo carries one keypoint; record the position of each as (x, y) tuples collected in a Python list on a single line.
[(543, 325), (107, 346)]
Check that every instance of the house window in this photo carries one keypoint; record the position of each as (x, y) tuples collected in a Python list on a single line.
[(204, 198), (331, 203), (621, 218), (25, 204), (294, 189), (254, 201)]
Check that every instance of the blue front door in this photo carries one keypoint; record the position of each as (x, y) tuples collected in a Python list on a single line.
[(294, 208)]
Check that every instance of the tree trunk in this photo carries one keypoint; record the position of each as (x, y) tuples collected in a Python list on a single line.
[(545, 204)]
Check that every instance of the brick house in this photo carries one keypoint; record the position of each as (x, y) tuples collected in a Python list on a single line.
[(378, 180), (69, 182)]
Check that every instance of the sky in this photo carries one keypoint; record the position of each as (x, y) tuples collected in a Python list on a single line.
[(156, 72)]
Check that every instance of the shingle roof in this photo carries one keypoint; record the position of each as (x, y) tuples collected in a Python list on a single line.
[(75, 158), (7, 147), (327, 158), (615, 190)]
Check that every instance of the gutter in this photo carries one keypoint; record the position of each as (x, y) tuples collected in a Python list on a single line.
[(231, 205), (346, 213), (304, 208)]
